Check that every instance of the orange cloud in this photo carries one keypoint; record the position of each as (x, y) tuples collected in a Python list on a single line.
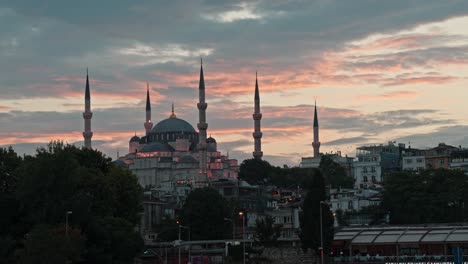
[(390, 95), (5, 108)]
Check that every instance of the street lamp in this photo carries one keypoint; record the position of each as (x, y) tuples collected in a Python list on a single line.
[(321, 232), (66, 222), (233, 226), (243, 236), (180, 227)]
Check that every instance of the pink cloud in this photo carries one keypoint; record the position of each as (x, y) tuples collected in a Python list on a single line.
[(431, 80), (391, 95)]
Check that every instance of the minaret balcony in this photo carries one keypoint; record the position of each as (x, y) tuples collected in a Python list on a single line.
[(257, 134), (87, 115), (202, 126), (202, 106), (257, 116), (257, 154), (87, 134)]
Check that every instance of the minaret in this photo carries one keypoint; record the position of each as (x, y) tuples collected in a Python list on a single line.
[(316, 143), (87, 115), (202, 125), (148, 124), (257, 116)]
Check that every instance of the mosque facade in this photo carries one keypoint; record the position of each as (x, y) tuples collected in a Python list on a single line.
[(172, 151)]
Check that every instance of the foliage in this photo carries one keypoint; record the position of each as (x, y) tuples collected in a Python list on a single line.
[(50, 245), (266, 232), (101, 197), (310, 234), (334, 173), (9, 162), (205, 210), (255, 171), (260, 172), (168, 230), (430, 196)]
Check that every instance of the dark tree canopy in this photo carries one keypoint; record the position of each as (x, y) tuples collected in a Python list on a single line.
[(255, 171), (310, 219), (204, 211), (335, 174), (430, 196), (48, 245), (260, 172), (105, 202), (9, 162), (266, 232)]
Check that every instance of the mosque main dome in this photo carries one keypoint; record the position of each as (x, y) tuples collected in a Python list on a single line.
[(173, 124)]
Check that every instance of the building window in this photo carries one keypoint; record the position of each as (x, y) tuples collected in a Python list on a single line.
[(365, 179), (350, 204), (372, 169), (373, 179), (442, 162), (409, 161), (419, 160), (364, 170)]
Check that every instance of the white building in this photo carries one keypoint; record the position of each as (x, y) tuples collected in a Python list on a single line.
[(352, 199), (372, 162)]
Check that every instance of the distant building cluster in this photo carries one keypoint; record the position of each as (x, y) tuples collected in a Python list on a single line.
[(172, 158)]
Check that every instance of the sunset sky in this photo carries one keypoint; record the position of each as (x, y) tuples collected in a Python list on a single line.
[(380, 71)]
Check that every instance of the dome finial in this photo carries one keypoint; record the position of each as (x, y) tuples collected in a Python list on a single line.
[(173, 115)]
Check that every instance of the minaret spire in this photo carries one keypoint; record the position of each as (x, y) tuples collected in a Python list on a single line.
[(87, 115), (316, 143), (173, 115), (202, 125), (148, 124), (257, 116)]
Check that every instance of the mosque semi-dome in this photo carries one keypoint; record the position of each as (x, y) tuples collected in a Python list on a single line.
[(156, 146), (173, 124), (135, 139)]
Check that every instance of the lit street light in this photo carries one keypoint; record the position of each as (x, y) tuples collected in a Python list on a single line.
[(243, 236), (66, 222)]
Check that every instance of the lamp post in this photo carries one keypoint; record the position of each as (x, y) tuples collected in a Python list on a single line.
[(233, 226), (180, 241), (321, 232), (243, 236), (66, 222)]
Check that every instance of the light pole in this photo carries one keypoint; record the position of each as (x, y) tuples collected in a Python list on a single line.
[(233, 226), (66, 222), (321, 232), (243, 236), (180, 241)]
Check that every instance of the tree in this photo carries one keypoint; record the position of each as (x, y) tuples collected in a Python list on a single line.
[(9, 206), (310, 234), (255, 171), (429, 196), (50, 245), (204, 211), (266, 232), (9, 163), (105, 200), (334, 173)]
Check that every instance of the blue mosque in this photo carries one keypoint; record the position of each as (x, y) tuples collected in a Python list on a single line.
[(173, 151)]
